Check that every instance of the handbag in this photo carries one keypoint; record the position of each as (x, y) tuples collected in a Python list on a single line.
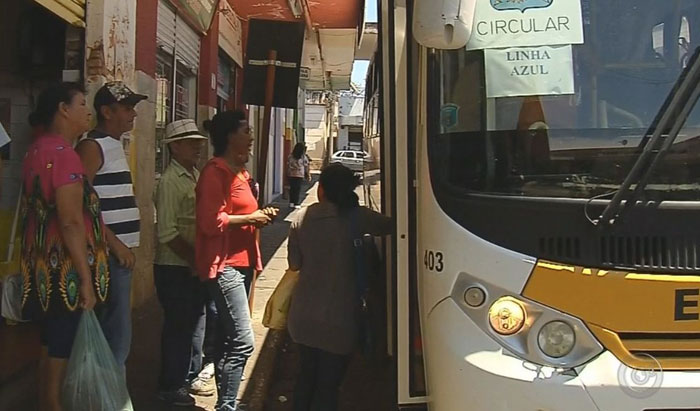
[(277, 307), (11, 305), (11, 299)]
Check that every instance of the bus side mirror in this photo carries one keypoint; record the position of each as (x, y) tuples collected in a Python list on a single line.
[(443, 24)]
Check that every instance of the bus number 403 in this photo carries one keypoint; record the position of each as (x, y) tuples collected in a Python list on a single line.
[(433, 261)]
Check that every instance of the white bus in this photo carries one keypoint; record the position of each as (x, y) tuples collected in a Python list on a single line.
[(541, 159)]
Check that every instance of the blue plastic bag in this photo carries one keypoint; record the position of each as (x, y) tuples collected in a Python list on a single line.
[(94, 381)]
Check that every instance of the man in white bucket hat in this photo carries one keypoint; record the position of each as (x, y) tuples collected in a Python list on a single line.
[(175, 282)]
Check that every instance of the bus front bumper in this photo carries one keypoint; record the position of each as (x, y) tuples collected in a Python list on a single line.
[(469, 370)]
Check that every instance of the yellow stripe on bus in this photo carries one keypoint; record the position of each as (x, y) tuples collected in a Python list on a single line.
[(665, 278)]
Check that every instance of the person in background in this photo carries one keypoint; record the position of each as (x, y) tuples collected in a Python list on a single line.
[(106, 167), (323, 314), (227, 250), (297, 171), (63, 258), (175, 278)]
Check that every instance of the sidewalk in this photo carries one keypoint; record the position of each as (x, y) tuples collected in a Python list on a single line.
[(143, 363)]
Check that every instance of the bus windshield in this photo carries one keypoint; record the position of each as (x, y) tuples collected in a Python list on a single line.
[(578, 143)]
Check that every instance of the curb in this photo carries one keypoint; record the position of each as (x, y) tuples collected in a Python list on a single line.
[(261, 378)]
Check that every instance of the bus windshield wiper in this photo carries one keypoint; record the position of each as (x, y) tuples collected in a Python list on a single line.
[(657, 141)]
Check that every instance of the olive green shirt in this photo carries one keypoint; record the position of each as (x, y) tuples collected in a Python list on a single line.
[(175, 206)]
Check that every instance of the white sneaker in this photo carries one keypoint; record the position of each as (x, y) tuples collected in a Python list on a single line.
[(203, 388), (207, 372)]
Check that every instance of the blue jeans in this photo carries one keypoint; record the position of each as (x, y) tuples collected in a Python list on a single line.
[(115, 314), (204, 337), (178, 294), (235, 334)]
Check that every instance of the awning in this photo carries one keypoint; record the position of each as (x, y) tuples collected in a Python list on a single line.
[(231, 33), (72, 11), (199, 13)]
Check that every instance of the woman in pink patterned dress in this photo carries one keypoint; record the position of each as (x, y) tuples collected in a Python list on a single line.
[(64, 254)]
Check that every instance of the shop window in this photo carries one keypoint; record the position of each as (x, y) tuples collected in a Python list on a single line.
[(164, 75), (226, 82), (176, 99), (185, 94)]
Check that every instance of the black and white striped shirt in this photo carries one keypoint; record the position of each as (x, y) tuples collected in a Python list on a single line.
[(114, 186)]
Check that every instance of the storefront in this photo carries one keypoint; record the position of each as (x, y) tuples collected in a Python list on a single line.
[(177, 66), (230, 56), (42, 42), (39, 47), (225, 82)]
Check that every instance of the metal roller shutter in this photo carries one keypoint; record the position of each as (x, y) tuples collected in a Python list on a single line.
[(166, 27), (188, 43)]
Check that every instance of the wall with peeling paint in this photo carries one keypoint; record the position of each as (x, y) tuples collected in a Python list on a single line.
[(111, 41), (110, 47)]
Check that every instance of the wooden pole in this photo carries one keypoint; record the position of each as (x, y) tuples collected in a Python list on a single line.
[(265, 132), (264, 145)]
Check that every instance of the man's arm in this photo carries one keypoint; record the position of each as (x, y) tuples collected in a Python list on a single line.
[(123, 253), (183, 249), (167, 201), (91, 156)]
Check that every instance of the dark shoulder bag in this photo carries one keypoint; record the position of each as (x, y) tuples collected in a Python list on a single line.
[(366, 332)]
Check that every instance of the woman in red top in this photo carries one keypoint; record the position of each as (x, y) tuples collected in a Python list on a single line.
[(226, 249), (64, 254)]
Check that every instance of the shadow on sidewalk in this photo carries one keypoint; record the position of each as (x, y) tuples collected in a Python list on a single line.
[(143, 365), (367, 386)]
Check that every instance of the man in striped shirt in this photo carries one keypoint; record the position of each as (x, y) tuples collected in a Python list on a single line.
[(106, 167)]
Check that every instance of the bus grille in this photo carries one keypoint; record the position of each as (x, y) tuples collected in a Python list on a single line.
[(657, 252), (670, 350), (560, 248), (652, 350)]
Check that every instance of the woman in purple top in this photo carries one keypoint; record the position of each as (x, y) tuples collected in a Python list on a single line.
[(64, 255)]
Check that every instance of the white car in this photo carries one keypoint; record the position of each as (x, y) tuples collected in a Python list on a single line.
[(353, 159)]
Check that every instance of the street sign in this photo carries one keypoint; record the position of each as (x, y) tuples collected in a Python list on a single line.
[(304, 73), (287, 40)]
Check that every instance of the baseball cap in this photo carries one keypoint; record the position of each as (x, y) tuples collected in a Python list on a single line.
[(182, 130), (116, 92)]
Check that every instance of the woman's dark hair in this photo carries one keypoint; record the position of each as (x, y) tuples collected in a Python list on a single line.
[(339, 183), (298, 151), (49, 100), (221, 126)]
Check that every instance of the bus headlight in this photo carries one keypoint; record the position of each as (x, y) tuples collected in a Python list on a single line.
[(507, 316), (525, 328), (556, 339)]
